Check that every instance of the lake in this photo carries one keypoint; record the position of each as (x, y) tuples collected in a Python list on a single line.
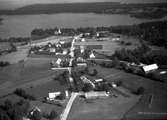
[(22, 25)]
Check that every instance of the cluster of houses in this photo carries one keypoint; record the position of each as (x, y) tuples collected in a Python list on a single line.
[(60, 63), (96, 84), (49, 48)]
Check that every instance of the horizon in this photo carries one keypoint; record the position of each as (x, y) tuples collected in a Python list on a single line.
[(14, 4)]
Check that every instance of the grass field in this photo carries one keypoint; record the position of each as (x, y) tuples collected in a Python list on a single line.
[(42, 91), (34, 71), (112, 108), (156, 105)]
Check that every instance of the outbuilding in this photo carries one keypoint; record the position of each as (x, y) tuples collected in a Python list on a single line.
[(94, 95), (149, 68)]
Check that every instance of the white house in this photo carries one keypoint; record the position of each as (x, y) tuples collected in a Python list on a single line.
[(163, 72), (58, 45), (91, 55), (98, 80), (81, 64), (53, 95), (65, 52), (83, 40), (58, 62), (57, 32), (82, 49), (93, 95), (86, 80), (80, 59), (35, 109), (149, 68), (52, 50)]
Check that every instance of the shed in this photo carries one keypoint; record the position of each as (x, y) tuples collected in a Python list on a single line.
[(149, 68), (94, 95), (53, 95)]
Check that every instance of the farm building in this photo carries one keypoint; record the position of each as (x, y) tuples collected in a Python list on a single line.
[(81, 64), (53, 95), (94, 95), (149, 68), (99, 80)]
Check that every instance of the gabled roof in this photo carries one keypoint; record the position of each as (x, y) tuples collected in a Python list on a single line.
[(92, 55), (148, 68)]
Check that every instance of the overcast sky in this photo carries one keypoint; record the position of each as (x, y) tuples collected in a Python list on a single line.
[(12, 4)]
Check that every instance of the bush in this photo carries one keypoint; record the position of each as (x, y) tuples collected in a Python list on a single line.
[(92, 72), (4, 63), (53, 115), (139, 91), (20, 92)]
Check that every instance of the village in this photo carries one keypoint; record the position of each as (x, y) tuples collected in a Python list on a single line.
[(88, 82)]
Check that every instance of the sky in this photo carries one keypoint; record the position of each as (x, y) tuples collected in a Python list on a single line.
[(12, 4)]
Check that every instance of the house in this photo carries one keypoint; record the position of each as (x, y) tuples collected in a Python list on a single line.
[(149, 68), (34, 110), (86, 80), (52, 50), (98, 80), (94, 95), (162, 72), (58, 45), (80, 59), (91, 56), (57, 32), (53, 95), (83, 40), (117, 38), (57, 63), (65, 52), (82, 49), (82, 64)]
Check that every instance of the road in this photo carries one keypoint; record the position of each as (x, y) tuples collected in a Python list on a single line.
[(66, 111)]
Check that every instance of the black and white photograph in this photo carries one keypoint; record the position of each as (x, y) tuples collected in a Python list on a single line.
[(83, 59)]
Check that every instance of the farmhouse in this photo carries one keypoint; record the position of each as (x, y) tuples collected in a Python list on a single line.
[(94, 95), (53, 95), (52, 50), (36, 109), (56, 63), (91, 56), (86, 80), (149, 68)]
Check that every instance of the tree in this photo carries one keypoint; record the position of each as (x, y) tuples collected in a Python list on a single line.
[(36, 115), (53, 115), (87, 87)]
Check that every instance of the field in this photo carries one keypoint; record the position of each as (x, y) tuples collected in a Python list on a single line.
[(34, 71), (42, 90), (101, 109), (108, 46), (153, 100), (14, 57)]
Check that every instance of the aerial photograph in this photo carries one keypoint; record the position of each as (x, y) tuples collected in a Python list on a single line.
[(83, 59)]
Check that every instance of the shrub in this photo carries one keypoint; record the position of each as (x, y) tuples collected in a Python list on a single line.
[(92, 72), (20, 92), (139, 91), (4, 63)]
